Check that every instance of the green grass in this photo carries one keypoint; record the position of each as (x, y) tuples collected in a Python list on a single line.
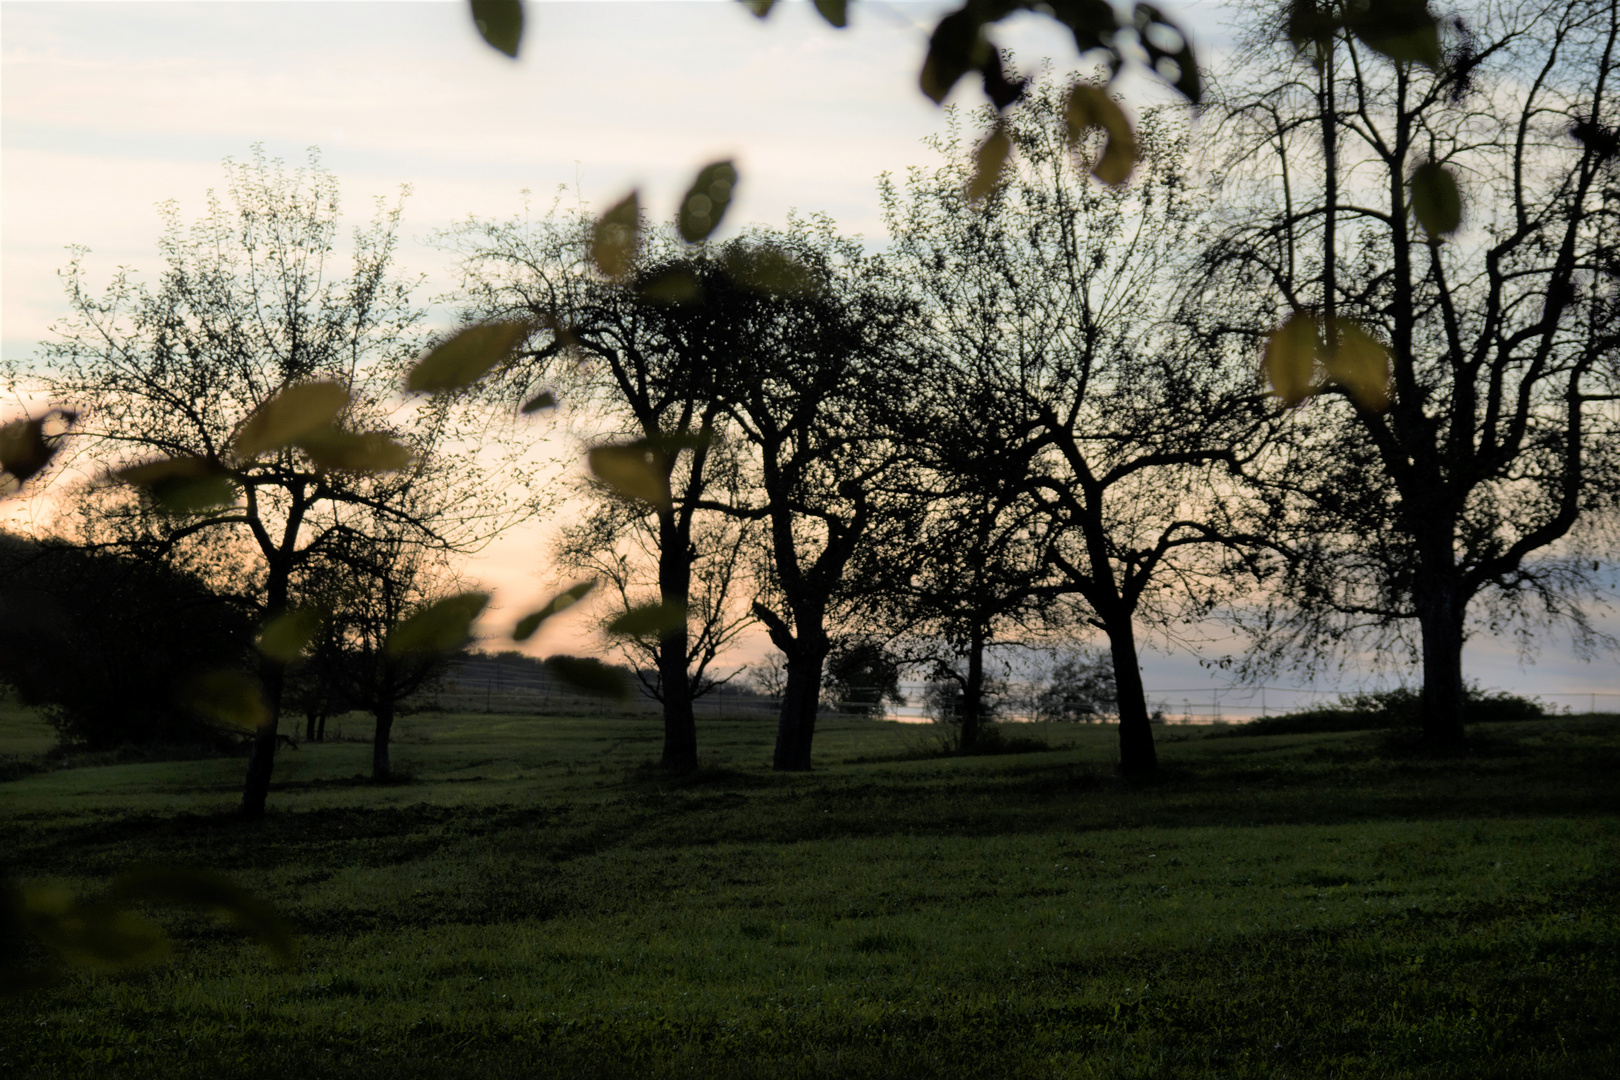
[(537, 900)]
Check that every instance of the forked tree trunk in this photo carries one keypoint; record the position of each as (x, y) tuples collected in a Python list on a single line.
[(1137, 756), (381, 767)]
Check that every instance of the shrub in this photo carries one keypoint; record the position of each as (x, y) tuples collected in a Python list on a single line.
[(1391, 709)]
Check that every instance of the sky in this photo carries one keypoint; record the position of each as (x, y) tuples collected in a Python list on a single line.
[(107, 110)]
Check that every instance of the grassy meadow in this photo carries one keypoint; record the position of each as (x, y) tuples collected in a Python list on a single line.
[(535, 899)]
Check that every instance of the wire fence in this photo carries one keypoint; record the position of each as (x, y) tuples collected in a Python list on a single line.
[(488, 685)]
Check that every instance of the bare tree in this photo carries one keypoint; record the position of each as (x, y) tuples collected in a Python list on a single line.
[(1447, 215)]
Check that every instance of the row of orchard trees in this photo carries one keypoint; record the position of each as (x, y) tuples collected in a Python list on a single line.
[(1037, 403), (1040, 398)]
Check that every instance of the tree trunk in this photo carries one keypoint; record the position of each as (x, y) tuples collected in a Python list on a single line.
[(973, 693), (675, 587), (800, 700), (1443, 694), (320, 727), (680, 723), (1137, 756), (381, 769), (309, 726), (262, 758)]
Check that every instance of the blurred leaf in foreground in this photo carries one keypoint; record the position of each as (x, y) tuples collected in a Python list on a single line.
[(294, 413), (213, 893), (89, 933), (1436, 200), (185, 485), (1360, 364), (466, 356), (500, 22), (1289, 361), (356, 451), (227, 696), (286, 636), (988, 162), (589, 675), (1090, 106), (649, 620), (617, 237), (704, 204), (561, 602), (444, 626), (632, 469), (27, 446)]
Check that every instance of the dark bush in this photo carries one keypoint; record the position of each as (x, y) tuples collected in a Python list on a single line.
[(101, 641), (1390, 710)]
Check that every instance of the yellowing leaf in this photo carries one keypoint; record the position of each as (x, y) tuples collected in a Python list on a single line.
[(617, 237), (228, 697), (561, 602), (350, 451), (89, 933), (294, 413), (1436, 201), (543, 400), (466, 356), (500, 22), (444, 626), (210, 892), (704, 204), (185, 485), (1090, 106), (286, 636), (988, 162), (1290, 359), (1360, 364), (648, 620), (588, 675), (632, 469), (834, 11)]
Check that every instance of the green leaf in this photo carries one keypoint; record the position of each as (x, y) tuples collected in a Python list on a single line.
[(632, 469), (834, 11), (185, 485), (1167, 44), (466, 356), (616, 238), (351, 451), (1092, 22), (561, 602), (286, 636), (295, 413), (1436, 200), (444, 626), (543, 400), (589, 675), (228, 697), (1290, 359), (671, 287), (760, 8), (89, 933), (705, 202), (988, 161), (1360, 364), (500, 22), (1090, 106), (769, 269), (955, 48), (1403, 30), (210, 892), (649, 620), (26, 447)]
